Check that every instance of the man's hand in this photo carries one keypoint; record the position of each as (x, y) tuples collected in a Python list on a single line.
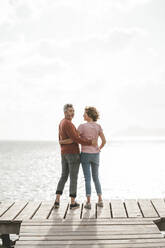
[(94, 142), (65, 141)]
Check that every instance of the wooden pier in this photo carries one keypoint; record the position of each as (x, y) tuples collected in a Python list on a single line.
[(119, 224)]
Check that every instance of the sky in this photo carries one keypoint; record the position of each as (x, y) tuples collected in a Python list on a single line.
[(104, 53)]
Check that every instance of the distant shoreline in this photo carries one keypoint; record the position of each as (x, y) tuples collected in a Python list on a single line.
[(111, 140)]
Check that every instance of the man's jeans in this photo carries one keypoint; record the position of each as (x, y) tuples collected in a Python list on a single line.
[(91, 161), (70, 167)]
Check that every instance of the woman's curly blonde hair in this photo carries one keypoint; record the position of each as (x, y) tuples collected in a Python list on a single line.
[(92, 113)]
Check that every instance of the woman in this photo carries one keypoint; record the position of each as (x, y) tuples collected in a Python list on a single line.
[(90, 154)]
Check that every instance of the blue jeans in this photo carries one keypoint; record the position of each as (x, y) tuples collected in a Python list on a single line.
[(90, 162)]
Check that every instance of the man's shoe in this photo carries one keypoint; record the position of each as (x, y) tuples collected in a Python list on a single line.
[(74, 205), (56, 204), (100, 204), (87, 205)]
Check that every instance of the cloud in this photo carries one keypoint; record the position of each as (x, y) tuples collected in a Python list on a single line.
[(87, 52), (114, 39), (127, 5), (59, 20), (19, 10), (142, 97), (38, 68), (5, 10)]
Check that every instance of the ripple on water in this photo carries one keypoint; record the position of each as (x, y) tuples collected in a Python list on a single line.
[(31, 170)]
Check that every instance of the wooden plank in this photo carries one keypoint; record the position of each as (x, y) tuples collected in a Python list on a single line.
[(59, 213), (104, 212), (93, 246), (13, 211), (110, 236), (89, 213), (132, 208), (157, 244), (118, 210), (111, 229), (159, 205), (4, 206), (147, 208), (44, 210), (28, 211), (82, 235), (97, 220), (73, 213), (98, 238), (89, 222), (31, 229)]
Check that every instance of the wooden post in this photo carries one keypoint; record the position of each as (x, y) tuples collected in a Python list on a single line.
[(6, 242)]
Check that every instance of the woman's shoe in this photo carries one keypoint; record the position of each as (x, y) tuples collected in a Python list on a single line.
[(100, 204), (87, 205)]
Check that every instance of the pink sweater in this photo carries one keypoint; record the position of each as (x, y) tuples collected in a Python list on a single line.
[(89, 130)]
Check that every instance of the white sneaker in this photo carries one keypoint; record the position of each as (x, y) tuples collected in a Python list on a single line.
[(87, 205)]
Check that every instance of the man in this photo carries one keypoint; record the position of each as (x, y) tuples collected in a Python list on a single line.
[(70, 156)]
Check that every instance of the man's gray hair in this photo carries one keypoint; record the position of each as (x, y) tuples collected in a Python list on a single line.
[(66, 106)]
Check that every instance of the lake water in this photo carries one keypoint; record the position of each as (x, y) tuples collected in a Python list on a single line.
[(128, 169)]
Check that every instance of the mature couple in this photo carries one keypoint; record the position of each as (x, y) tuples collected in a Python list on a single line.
[(69, 137)]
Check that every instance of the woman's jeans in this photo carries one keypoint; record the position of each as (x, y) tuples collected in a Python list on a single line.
[(90, 162)]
